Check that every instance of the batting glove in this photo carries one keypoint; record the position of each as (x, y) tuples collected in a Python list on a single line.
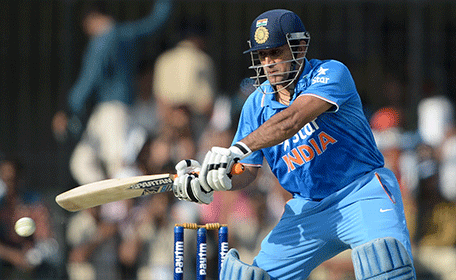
[(187, 186), (215, 171)]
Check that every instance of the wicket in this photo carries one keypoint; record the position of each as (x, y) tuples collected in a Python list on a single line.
[(201, 247)]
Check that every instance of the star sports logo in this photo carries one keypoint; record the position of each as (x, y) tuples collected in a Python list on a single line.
[(322, 80), (322, 71)]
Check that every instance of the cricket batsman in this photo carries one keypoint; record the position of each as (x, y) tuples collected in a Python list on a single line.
[(306, 119)]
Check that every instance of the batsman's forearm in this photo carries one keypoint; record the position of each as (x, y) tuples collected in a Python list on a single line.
[(277, 129), (287, 123)]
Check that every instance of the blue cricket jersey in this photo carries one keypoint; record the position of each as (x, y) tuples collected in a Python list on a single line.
[(329, 152)]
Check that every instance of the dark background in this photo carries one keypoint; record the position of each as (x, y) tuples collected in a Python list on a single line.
[(41, 44)]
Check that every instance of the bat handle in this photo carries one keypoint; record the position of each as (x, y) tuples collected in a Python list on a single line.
[(237, 168)]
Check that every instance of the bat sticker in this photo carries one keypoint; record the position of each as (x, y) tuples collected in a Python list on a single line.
[(154, 186)]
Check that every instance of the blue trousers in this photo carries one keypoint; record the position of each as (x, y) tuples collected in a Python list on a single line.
[(311, 232)]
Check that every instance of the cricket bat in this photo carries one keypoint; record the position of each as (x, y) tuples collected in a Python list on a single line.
[(110, 190)]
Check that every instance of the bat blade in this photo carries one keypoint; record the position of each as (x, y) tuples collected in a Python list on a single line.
[(110, 190), (105, 191)]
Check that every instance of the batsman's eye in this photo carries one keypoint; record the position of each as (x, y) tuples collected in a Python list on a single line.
[(272, 54)]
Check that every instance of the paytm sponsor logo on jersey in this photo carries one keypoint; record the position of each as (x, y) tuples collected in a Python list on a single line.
[(318, 78)]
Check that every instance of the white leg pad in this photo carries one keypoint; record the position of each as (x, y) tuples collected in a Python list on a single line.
[(234, 269), (382, 259)]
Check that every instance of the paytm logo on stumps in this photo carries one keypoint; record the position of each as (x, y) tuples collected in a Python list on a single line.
[(179, 257)]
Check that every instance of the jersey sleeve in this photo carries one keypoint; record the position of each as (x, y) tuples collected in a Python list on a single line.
[(331, 81)]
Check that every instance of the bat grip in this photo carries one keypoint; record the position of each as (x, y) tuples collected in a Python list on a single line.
[(237, 168)]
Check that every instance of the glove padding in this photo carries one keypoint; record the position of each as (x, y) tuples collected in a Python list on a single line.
[(215, 171), (187, 185)]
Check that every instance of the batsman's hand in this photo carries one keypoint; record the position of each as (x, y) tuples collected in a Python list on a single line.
[(187, 185), (215, 171)]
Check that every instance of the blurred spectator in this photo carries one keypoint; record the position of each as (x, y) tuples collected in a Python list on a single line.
[(143, 112), (435, 116), (109, 71), (393, 92), (93, 247), (107, 76), (171, 143), (224, 119), (131, 233), (157, 214), (448, 167), (130, 239), (145, 239), (98, 237), (184, 78), (246, 87), (436, 234), (153, 230), (171, 138), (436, 252), (34, 257), (136, 148), (428, 194), (386, 118)]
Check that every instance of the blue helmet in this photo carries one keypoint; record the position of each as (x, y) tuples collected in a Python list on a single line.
[(273, 28)]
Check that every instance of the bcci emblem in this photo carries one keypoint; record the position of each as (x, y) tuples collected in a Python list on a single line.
[(261, 35)]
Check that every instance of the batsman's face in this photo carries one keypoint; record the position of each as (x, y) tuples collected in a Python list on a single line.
[(276, 63)]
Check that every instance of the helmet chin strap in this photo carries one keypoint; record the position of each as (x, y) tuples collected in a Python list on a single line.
[(290, 87)]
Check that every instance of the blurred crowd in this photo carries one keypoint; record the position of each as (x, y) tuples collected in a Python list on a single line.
[(424, 161), (177, 113)]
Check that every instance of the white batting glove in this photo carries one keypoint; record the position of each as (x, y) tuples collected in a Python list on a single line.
[(187, 185), (215, 171)]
